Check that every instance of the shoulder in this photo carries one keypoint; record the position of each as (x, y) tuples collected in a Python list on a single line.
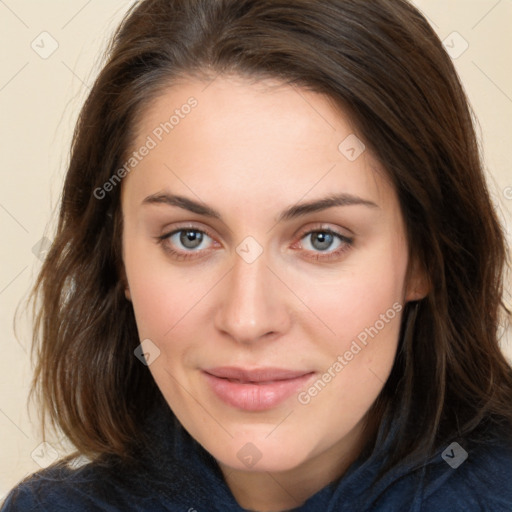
[(460, 478), (482, 481), (63, 488)]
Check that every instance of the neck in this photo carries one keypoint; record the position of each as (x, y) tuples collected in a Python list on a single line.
[(265, 491)]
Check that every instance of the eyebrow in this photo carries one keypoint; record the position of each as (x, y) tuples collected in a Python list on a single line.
[(294, 211)]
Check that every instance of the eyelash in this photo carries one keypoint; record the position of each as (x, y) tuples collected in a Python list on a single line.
[(317, 256)]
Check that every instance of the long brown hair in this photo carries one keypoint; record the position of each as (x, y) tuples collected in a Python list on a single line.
[(383, 64)]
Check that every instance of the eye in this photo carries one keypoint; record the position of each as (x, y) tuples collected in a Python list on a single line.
[(322, 240), (185, 242), (189, 238), (319, 244), (325, 244)]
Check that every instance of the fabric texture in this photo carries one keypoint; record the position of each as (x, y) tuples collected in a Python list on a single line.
[(174, 473)]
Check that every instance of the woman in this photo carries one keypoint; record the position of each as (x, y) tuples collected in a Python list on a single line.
[(276, 282)]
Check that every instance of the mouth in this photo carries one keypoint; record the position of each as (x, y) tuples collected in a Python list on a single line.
[(255, 390)]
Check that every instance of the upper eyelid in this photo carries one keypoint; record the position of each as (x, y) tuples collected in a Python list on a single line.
[(173, 231), (322, 230)]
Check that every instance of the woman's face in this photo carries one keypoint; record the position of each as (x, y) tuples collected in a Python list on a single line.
[(265, 259)]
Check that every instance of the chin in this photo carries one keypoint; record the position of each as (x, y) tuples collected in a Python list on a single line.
[(257, 454)]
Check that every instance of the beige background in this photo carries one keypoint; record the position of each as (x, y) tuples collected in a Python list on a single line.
[(39, 101)]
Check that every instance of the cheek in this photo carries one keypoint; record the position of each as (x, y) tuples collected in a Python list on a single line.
[(364, 345), (356, 360), (161, 302), (367, 294), (363, 309), (161, 295)]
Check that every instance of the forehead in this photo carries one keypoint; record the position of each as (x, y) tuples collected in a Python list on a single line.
[(234, 109), (251, 141)]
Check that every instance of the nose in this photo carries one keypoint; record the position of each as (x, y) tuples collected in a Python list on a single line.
[(253, 303)]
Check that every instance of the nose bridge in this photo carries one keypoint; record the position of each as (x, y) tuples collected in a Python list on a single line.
[(251, 305)]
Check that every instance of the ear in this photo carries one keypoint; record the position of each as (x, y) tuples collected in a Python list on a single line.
[(124, 283), (417, 284)]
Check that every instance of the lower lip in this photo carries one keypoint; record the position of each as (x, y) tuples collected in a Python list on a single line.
[(255, 397)]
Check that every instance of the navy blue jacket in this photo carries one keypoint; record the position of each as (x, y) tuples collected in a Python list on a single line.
[(176, 474)]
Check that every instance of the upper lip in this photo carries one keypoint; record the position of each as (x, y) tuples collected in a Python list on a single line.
[(255, 375)]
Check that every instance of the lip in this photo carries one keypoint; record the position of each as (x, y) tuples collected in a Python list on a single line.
[(255, 389)]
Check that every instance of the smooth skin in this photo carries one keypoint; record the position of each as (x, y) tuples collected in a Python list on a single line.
[(250, 151)]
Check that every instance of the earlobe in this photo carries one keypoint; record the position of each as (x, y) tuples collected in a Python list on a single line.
[(415, 295), (418, 283), (127, 293)]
